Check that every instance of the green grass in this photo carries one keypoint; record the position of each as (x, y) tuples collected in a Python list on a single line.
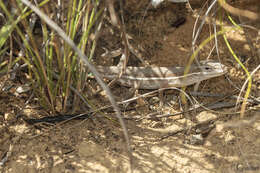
[(53, 67)]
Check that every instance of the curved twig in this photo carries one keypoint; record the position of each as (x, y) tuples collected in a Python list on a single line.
[(238, 12), (83, 57)]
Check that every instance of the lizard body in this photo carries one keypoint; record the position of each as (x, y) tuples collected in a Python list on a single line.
[(162, 77)]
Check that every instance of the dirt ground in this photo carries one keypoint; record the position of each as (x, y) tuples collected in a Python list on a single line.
[(201, 141)]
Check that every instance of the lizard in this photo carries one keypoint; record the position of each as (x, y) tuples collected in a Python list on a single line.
[(150, 78), (162, 77)]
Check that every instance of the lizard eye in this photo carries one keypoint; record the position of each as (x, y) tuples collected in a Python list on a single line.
[(207, 68)]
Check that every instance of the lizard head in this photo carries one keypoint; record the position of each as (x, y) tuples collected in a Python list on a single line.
[(212, 69)]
